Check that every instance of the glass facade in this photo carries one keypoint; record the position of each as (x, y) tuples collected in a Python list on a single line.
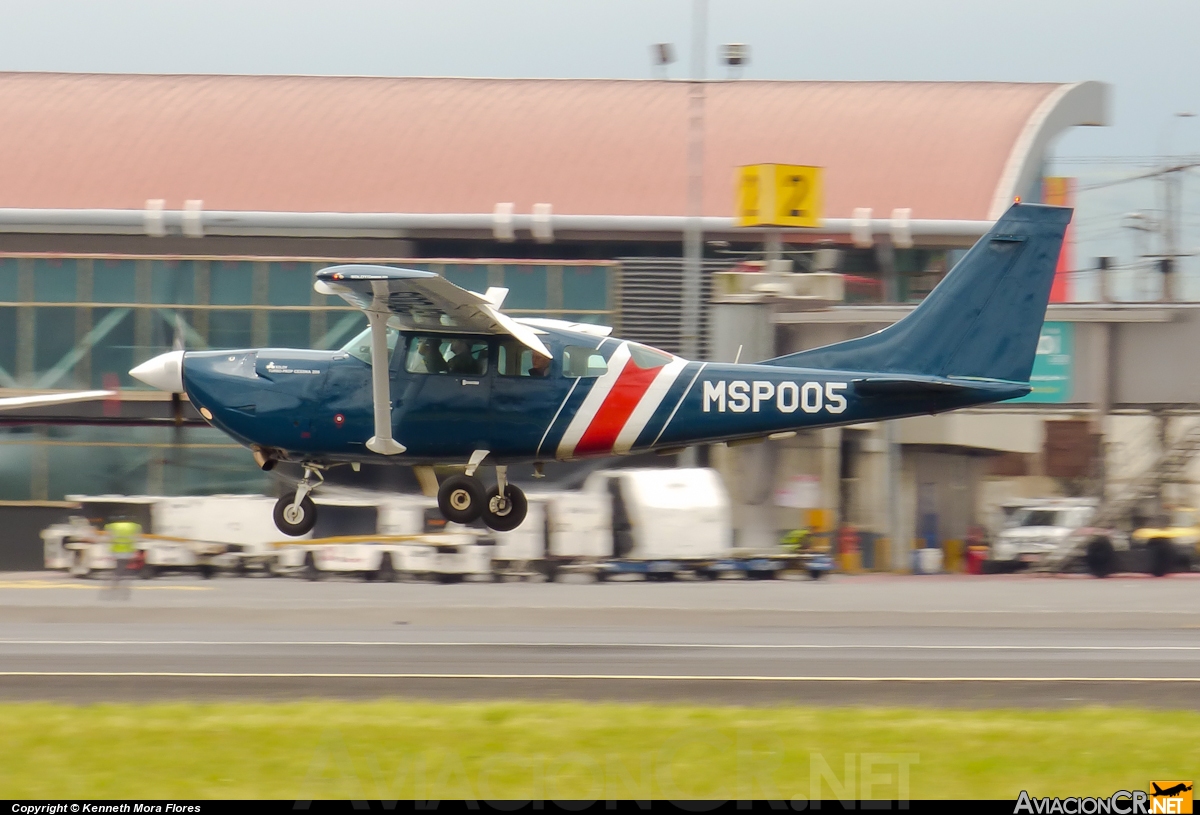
[(69, 322), (49, 463), (76, 322)]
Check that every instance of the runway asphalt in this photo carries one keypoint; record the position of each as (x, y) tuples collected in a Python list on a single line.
[(1005, 640)]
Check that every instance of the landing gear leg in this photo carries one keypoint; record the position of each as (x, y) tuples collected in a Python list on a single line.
[(295, 513), (505, 507)]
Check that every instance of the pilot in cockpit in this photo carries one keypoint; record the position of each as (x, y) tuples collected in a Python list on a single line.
[(435, 363), (461, 361), (540, 366)]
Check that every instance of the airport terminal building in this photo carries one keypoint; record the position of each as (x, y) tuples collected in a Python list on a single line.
[(139, 211)]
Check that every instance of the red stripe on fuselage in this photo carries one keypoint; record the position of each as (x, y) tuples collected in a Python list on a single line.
[(627, 391)]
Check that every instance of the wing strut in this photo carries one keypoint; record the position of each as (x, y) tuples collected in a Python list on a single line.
[(377, 315)]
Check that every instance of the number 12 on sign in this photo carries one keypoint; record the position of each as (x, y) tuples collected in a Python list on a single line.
[(779, 195)]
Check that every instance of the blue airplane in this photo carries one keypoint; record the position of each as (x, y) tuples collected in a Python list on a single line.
[(443, 377)]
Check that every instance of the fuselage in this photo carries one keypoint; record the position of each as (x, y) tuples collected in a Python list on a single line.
[(453, 394)]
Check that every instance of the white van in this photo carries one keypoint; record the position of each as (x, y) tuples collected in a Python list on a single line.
[(1036, 528)]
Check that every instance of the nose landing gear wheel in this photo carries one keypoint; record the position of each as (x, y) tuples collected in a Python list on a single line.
[(460, 498), (505, 512), (295, 519)]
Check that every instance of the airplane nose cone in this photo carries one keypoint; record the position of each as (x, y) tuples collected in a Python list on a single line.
[(164, 372)]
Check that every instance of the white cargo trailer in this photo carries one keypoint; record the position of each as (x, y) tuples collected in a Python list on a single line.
[(444, 556), (82, 546), (663, 514), (234, 531)]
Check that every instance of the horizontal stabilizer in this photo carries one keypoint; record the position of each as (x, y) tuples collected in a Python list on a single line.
[(906, 387)]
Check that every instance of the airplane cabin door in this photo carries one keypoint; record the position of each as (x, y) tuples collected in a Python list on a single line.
[(526, 392), (441, 395)]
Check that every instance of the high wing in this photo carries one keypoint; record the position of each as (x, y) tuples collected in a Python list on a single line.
[(424, 300), (416, 300), (12, 402)]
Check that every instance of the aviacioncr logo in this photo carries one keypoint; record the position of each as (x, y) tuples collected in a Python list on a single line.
[(740, 396)]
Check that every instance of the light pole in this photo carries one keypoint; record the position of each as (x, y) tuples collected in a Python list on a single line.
[(693, 236), (1171, 199)]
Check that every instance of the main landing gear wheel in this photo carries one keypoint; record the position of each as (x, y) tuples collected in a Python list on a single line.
[(460, 498), (293, 518), (505, 512)]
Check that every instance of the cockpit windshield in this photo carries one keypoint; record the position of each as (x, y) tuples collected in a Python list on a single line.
[(360, 346)]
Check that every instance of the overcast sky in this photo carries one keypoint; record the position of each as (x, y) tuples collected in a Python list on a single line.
[(1149, 50)]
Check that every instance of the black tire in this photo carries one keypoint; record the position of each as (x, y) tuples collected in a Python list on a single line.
[(295, 522), (310, 571), (1161, 557), (815, 574), (505, 514), (148, 571), (386, 572), (1101, 558), (207, 570), (460, 499)]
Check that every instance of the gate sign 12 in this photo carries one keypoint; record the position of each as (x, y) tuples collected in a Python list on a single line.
[(779, 195)]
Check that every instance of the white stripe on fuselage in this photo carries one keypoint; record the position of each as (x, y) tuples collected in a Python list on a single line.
[(648, 405), (562, 405), (592, 402), (679, 404)]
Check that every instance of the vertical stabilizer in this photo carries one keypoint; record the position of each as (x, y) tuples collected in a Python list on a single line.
[(983, 320)]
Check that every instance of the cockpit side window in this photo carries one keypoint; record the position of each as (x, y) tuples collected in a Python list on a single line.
[(440, 354), (360, 346), (579, 362), (514, 358)]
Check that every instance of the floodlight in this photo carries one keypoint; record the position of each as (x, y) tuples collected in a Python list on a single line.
[(735, 54)]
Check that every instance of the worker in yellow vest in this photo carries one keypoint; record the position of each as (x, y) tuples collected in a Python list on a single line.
[(123, 536), (798, 541)]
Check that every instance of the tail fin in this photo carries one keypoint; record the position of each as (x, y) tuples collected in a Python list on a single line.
[(983, 320)]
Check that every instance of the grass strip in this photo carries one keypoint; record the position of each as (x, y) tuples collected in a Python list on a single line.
[(562, 750)]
